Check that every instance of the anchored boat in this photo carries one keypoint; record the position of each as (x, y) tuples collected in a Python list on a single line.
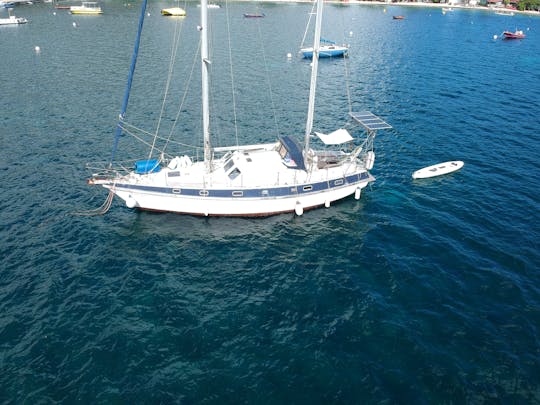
[(245, 180)]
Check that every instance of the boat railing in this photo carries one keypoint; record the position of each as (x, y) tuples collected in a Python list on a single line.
[(105, 169)]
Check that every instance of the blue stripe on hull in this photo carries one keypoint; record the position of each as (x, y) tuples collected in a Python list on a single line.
[(325, 54), (303, 189)]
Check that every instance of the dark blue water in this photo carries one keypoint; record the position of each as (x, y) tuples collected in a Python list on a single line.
[(421, 292)]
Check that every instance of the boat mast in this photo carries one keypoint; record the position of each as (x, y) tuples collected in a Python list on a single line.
[(314, 67), (118, 132), (205, 62)]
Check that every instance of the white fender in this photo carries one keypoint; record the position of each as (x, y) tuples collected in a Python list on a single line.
[(327, 203), (298, 209), (357, 193), (174, 163), (131, 202), (370, 160)]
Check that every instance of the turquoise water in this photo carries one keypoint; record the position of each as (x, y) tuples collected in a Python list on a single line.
[(421, 292)]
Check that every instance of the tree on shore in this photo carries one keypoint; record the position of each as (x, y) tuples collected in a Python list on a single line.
[(528, 5)]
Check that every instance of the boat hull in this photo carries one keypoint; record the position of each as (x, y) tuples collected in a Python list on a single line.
[(85, 12), (174, 12), (12, 20), (513, 35), (326, 52), (231, 206)]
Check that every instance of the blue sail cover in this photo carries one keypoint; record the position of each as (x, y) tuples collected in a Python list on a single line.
[(147, 166), (294, 153)]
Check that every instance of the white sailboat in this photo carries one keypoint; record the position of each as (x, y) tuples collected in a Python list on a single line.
[(249, 180)]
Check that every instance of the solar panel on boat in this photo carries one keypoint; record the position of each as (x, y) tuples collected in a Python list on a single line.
[(369, 120)]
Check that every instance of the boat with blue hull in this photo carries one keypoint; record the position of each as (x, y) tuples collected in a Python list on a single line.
[(246, 180), (327, 49)]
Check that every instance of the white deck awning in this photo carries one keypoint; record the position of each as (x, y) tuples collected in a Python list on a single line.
[(335, 138)]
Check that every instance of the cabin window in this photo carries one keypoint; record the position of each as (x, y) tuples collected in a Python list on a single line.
[(173, 174), (234, 173), (228, 165), (203, 193), (282, 151), (176, 191), (308, 188), (237, 193), (265, 193), (338, 182)]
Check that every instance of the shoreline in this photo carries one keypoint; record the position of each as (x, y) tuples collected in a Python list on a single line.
[(409, 4)]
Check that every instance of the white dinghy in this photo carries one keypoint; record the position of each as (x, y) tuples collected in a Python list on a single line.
[(438, 169)]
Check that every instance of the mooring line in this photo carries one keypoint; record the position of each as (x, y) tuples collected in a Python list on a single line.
[(98, 211)]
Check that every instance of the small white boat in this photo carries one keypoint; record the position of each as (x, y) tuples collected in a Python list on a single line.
[(503, 11), (174, 11), (12, 20), (86, 8), (438, 169)]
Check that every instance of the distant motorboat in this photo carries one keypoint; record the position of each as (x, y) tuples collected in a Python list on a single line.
[(86, 8), (517, 34), (504, 12), (438, 169), (398, 17), (59, 6), (12, 20), (7, 4), (174, 11)]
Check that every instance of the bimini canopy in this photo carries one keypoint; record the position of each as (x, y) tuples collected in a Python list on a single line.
[(335, 138)]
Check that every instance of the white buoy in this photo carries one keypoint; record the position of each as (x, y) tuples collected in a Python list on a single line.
[(370, 160), (74, 24), (298, 209), (289, 55), (37, 49), (495, 37), (357, 193), (350, 33), (54, 13)]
